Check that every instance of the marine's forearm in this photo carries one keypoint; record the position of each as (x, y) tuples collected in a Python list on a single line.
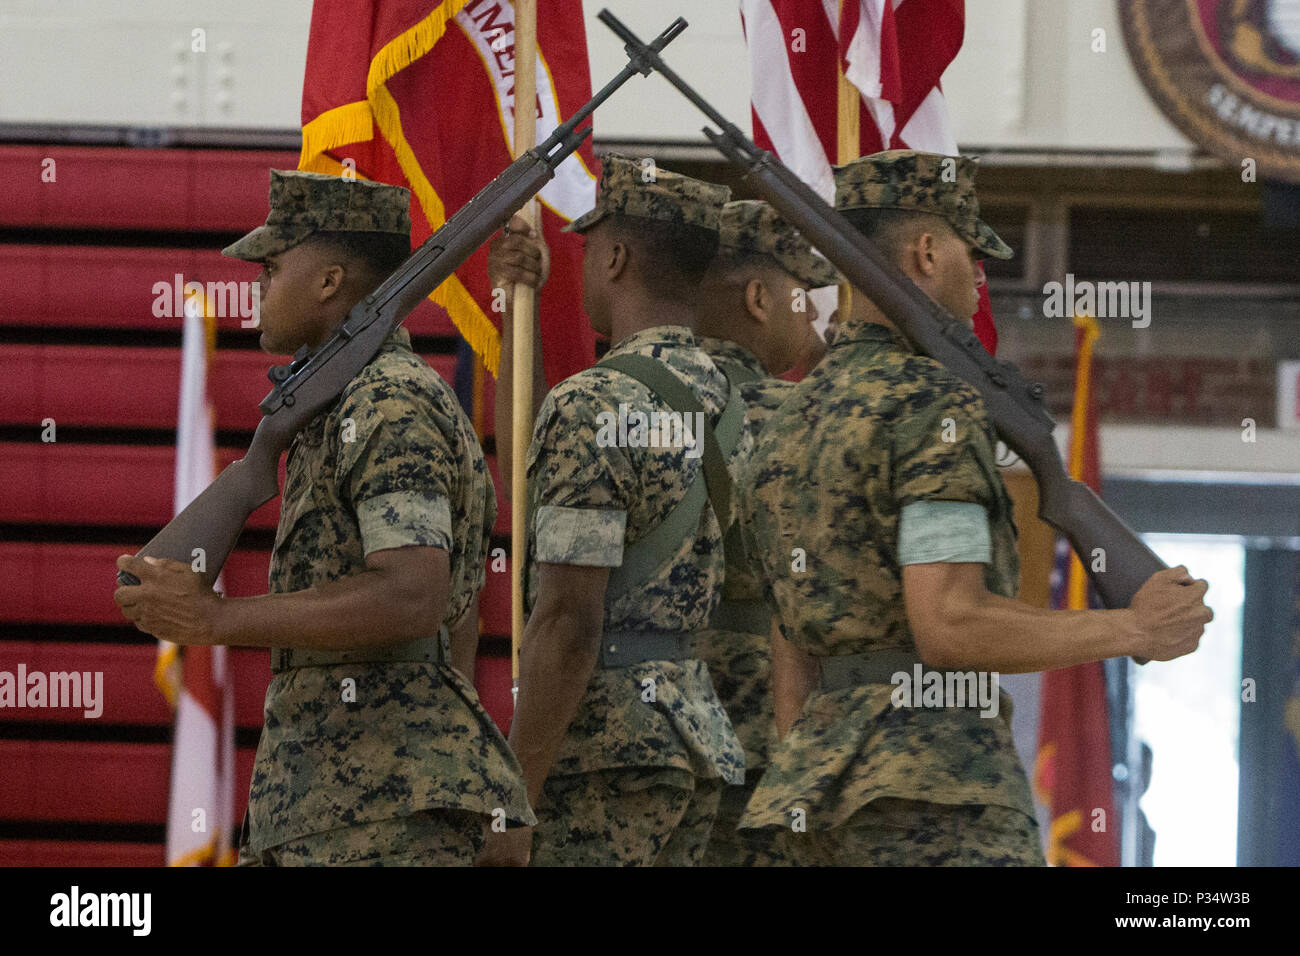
[(364, 610), (1011, 637), (794, 677), (556, 662)]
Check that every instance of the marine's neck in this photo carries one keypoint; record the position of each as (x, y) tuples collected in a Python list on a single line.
[(741, 331), (864, 310), (639, 314)]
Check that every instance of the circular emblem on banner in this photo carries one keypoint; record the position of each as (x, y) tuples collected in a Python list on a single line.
[(1226, 73)]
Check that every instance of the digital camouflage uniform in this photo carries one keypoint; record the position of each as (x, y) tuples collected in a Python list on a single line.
[(638, 776), (873, 429), (407, 768), (737, 650)]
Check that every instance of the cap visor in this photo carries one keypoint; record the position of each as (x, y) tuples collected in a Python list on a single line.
[(809, 268), (820, 274), (257, 245), (989, 242), (585, 221)]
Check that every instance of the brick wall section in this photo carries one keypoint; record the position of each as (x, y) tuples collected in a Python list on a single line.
[(1199, 390)]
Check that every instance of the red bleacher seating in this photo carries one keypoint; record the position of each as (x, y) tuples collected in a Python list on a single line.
[(130, 696), (93, 782), (57, 583), (122, 485), (185, 190), (83, 853), (132, 387), (36, 291)]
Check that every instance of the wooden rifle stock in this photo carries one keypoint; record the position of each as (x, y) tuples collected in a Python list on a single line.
[(210, 525), (1114, 557)]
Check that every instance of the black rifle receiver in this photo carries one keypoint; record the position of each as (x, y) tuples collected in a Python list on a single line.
[(210, 525), (1115, 558)]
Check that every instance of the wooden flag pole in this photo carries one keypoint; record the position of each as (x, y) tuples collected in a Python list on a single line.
[(524, 306), (848, 140)]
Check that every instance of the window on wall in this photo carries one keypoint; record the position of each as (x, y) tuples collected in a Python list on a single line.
[(1188, 712)]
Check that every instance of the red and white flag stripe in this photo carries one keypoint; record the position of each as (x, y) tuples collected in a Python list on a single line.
[(200, 814), (893, 51)]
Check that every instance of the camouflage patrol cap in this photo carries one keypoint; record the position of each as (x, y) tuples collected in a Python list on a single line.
[(304, 203), (924, 182), (752, 225), (639, 188)]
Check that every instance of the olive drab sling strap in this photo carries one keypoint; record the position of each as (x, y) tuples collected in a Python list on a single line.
[(737, 375), (739, 616), (643, 557)]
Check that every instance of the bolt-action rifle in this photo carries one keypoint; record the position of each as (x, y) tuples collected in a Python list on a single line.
[(213, 521), (1115, 558)]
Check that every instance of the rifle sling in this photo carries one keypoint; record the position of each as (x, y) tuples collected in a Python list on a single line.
[(736, 373), (643, 557), (742, 617), (739, 616)]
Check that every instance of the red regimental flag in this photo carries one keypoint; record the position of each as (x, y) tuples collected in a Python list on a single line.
[(421, 93), (1073, 772), (893, 51)]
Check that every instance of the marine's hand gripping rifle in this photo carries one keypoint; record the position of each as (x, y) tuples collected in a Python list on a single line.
[(211, 524), (1115, 558)]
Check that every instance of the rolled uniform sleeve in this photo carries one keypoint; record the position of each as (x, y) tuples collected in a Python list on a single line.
[(943, 531), (581, 536), (945, 481), (393, 467), (581, 486)]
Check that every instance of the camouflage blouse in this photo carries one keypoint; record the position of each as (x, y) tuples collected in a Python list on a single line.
[(590, 497), (872, 429), (741, 663), (395, 462)]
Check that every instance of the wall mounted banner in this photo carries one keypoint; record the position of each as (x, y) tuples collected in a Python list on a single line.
[(1226, 73)]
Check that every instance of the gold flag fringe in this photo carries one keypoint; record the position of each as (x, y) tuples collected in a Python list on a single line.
[(355, 122)]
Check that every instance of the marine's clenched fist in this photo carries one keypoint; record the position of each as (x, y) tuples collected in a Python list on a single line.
[(518, 255), (1171, 614)]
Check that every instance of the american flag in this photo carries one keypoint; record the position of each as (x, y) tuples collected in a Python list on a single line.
[(894, 53)]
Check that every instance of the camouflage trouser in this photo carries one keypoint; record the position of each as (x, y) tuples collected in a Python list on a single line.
[(439, 837), (729, 847), (890, 832), (634, 816)]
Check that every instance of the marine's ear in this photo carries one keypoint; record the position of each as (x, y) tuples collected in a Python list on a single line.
[(332, 278), (919, 253), (617, 258), (758, 300)]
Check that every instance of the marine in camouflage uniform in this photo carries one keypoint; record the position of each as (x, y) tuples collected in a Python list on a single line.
[(880, 458), (755, 242), (381, 755), (637, 778)]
